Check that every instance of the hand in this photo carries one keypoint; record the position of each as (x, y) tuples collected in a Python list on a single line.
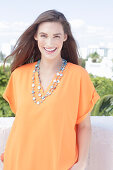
[(2, 157), (78, 166)]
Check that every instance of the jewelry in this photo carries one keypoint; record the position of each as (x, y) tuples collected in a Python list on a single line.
[(52, 87)]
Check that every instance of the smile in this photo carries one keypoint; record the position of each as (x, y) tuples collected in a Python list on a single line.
[(50, 49)]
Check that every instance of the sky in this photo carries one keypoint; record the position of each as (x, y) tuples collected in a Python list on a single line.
[(91, 20)]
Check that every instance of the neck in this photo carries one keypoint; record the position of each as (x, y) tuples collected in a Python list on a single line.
[(49, 66)]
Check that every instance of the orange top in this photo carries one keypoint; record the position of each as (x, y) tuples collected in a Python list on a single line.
[(43, 137)]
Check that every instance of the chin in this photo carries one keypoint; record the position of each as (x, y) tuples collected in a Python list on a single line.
[(50, 56)]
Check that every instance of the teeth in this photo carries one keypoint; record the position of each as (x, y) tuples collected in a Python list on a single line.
[(52, 49)]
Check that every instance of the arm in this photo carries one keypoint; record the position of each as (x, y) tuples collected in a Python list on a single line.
[(83, 139)]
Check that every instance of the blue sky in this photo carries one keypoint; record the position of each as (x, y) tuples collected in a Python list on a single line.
[(91, 20)]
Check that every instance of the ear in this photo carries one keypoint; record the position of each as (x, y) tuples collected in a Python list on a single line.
[(35, 37), (65, 37)]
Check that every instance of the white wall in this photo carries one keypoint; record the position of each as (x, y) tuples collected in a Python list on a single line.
[(103, 69)]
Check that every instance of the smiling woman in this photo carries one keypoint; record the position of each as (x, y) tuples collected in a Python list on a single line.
[(50, 37), (51, 96)]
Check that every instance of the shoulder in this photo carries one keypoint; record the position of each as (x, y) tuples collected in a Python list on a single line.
[(77, 69), (80, 74), (24, 68)]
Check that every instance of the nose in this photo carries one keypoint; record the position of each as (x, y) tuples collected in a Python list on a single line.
[(49, 42)]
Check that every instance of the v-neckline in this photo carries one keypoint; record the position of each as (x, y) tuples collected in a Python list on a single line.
[(43, 92)]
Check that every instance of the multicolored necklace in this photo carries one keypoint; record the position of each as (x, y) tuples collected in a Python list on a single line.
[(42, 97)]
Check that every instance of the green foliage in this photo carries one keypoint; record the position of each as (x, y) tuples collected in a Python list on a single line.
[(4, 76), (2, 56), (104, 106), (104, 86), (96, 58), (82, 62), (5, 110)]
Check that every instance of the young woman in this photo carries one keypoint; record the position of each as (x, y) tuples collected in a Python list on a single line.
[(51, 96)]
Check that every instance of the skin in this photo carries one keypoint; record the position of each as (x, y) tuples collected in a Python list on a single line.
[(84, 137), (50, 35)]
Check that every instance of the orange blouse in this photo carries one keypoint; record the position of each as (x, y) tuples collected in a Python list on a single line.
[(43, 137)]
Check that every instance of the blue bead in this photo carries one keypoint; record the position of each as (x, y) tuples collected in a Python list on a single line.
[(36, 65), (43, 97), (39, 94), (39, 87), (34, 98), (33, 85)]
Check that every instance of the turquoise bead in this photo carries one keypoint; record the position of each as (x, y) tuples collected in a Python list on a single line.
[(34, 98), (52, 87), (33, 92)]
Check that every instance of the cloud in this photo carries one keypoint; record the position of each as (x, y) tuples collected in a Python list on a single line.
[(7, 25), (77, 23), (87, 34), (94, 29), (110, 45), (84, 33), (6, 48), (14, 28), (81, 26), (3, 25)]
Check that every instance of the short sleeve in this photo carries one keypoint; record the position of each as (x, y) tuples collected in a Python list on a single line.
[(9, 93), (88, 96)]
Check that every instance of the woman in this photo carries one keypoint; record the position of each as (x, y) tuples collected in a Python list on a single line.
[(51, 96)]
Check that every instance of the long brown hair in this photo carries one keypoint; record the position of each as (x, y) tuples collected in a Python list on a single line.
[(26, 49)]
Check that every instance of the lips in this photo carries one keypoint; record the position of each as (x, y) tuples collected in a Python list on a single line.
[(50, 50)]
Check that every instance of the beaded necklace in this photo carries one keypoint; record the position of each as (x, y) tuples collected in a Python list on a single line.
[(42, 97)]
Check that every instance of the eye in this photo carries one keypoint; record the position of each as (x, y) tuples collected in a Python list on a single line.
[(43, 35), (57, 36)]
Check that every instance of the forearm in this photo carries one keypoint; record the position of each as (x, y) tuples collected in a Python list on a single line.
[(83, 139)]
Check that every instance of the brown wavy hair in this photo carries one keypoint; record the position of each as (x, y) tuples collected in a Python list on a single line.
[(26, 49)]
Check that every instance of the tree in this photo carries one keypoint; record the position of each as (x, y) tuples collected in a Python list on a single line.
[(5, 110), (82, 62), (104, 86), (104, 106), (2, 56), (96, 58)]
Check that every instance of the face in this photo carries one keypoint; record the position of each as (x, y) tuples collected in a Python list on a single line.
[(50, 37)]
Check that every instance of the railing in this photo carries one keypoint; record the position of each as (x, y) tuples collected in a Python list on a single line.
[(100, 155)]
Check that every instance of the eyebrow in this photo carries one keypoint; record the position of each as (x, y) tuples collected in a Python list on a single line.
[(53, 34)]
